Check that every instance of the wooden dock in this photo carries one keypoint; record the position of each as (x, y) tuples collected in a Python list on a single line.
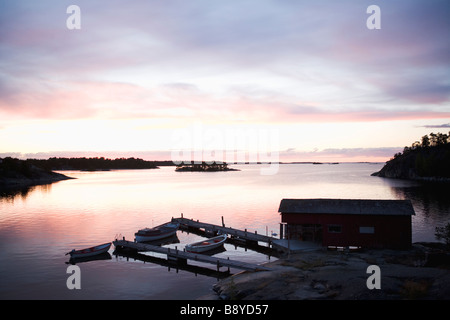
[(182, 256), (235, 233), (197, 270)]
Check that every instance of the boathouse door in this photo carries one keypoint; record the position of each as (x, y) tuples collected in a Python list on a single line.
[(305, 232)]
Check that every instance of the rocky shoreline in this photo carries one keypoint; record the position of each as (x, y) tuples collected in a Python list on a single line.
[(419, 273), (39, 177), (421, 163), (411, 176)]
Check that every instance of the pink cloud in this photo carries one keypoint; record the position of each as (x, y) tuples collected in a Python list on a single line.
[(112, 100), (72, 100)]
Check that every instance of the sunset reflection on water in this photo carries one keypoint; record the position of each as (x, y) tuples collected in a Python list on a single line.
[(40, 224)]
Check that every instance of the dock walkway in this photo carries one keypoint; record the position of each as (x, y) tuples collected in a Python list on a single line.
[(183, 256), (236, 233)]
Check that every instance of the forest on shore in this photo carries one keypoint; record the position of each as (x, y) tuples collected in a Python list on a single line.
[(98, 163), (427, 159)]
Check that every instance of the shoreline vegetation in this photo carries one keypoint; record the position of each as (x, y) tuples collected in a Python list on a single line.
[(426, 160), (204, 167)]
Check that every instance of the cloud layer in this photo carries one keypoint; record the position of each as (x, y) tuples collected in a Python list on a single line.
[(250, 61)]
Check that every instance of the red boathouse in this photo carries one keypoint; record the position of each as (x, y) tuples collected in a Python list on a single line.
[(348, 222)]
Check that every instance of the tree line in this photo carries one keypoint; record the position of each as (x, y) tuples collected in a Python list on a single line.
[(427, 141), (429, 157), (96, 163), (12, 168), (10, 164)]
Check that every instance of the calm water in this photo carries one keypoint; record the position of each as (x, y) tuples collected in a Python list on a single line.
[(39, 225)]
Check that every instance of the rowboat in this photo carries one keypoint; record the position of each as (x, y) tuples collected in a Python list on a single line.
[(89, 252), (206, 245), (160, 232)]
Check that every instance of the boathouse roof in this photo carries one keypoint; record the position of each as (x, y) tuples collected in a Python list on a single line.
[(347, 206)]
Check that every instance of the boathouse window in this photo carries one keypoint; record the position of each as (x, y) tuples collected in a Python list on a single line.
[(370, 230), (334, 228)]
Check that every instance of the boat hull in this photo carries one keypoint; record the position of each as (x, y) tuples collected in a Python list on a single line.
[(157, 233), (89, 252), (142, 238), (206, 245)]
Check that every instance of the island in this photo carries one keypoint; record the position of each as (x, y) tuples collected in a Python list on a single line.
[(425, 160), (204, 167)]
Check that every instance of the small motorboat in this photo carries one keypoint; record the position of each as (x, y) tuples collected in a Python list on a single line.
[(206, 245), (89, 252), (160, 232)]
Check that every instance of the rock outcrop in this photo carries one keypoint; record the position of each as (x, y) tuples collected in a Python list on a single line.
[(15, 173), (426, 164)]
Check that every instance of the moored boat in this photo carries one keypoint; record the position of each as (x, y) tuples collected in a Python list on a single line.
[(206, 245), (160, 232), (89, 252)]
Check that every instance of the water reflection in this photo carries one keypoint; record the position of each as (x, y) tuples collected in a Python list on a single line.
[(9, 194), (103, 256), (39, 224), (197, 270), (431, 203), (431, 198)]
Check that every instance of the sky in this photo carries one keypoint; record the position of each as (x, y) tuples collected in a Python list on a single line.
[(287, 80)]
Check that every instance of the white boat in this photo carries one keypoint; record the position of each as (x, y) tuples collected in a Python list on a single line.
[(206, 245), (89, 252), (160, 232)]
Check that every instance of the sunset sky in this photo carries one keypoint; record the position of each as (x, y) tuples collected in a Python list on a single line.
[(305, 79)]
